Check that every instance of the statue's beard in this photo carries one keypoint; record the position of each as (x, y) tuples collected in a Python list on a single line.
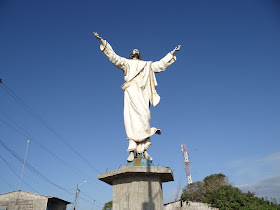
[(135, 56)]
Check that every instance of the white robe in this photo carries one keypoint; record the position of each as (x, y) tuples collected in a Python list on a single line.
[(139, 93)]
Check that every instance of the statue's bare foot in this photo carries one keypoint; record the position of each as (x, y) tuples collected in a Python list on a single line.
[(131, 156), (147, 156)]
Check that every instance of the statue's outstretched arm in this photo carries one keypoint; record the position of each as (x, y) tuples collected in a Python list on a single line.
[(165, 62), (117, 60)]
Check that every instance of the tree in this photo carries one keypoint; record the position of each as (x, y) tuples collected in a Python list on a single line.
[(215, 181), (197, 190), (108, 205), (225, 197), (216, 191), (194, 192), (229, 197)]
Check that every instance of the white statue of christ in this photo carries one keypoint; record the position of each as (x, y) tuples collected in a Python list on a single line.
[(139, 92)]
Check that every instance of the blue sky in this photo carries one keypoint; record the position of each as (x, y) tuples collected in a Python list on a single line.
[(221, 96)]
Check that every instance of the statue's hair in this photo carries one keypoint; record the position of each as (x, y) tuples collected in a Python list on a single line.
[(133, 55)]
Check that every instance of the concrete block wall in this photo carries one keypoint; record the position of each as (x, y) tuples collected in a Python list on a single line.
[(23, 201), (188, 206)]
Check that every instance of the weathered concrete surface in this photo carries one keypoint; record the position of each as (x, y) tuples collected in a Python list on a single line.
[(165, 173), (30, 201), (137, 187)]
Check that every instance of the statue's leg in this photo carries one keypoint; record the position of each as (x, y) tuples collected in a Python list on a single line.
[(131, 156), (147, 156), (147, 144), (131, 148)]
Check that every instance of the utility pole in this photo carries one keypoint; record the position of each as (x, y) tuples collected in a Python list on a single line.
[(77, 191), (23, 164)]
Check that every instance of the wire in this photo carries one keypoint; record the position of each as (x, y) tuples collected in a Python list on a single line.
[(7, 183), (91, 198), (20, 101), (31, 168), (26, 134), (29, 136), (6, 162), (89, 201), (43, 122)]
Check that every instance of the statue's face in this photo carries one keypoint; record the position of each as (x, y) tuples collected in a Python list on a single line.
[(135, 55), (135, 52)]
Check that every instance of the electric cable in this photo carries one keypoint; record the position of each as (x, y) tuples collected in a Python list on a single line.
[(7, 183), (20, 101), (35, 171), (29, 136), (91, 198), (31, 168), (8, 164)]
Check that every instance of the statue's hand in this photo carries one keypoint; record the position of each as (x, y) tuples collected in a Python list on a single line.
[(176, 49), (97, 36)]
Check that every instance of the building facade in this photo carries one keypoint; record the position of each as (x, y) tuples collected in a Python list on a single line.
[(21, 200), (187, 205)]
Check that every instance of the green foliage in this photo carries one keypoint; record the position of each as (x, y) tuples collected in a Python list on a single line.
[(229, 197), (216, 191), (108, 205), (215, 181), (197, 190), (194, 192)]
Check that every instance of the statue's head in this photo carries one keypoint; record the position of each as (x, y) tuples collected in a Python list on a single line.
[(135, 55)]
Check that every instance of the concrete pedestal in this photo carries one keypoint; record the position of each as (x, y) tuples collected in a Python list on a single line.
[(137, 187)]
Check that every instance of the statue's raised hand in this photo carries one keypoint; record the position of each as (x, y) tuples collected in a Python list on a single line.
[(176, 49), (97, 36)]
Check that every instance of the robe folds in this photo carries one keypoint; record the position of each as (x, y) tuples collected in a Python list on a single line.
[(139, 92)]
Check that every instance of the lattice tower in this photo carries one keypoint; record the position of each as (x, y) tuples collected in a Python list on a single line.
[(187, 162)]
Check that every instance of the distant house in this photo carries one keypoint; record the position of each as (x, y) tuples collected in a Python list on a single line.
[(30, 201), (187, 205)]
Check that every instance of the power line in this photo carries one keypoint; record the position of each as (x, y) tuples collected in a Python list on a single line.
[(10, 166), (89, 201), (91, 198), (29, 136), (13, 170), (20, 101), (35, 171), (43, 122), (26, 134), (18, 172), (7, 183), (31, 168)]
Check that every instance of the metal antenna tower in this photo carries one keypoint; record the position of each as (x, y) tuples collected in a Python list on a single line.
[(188, 172), (187, 162)]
